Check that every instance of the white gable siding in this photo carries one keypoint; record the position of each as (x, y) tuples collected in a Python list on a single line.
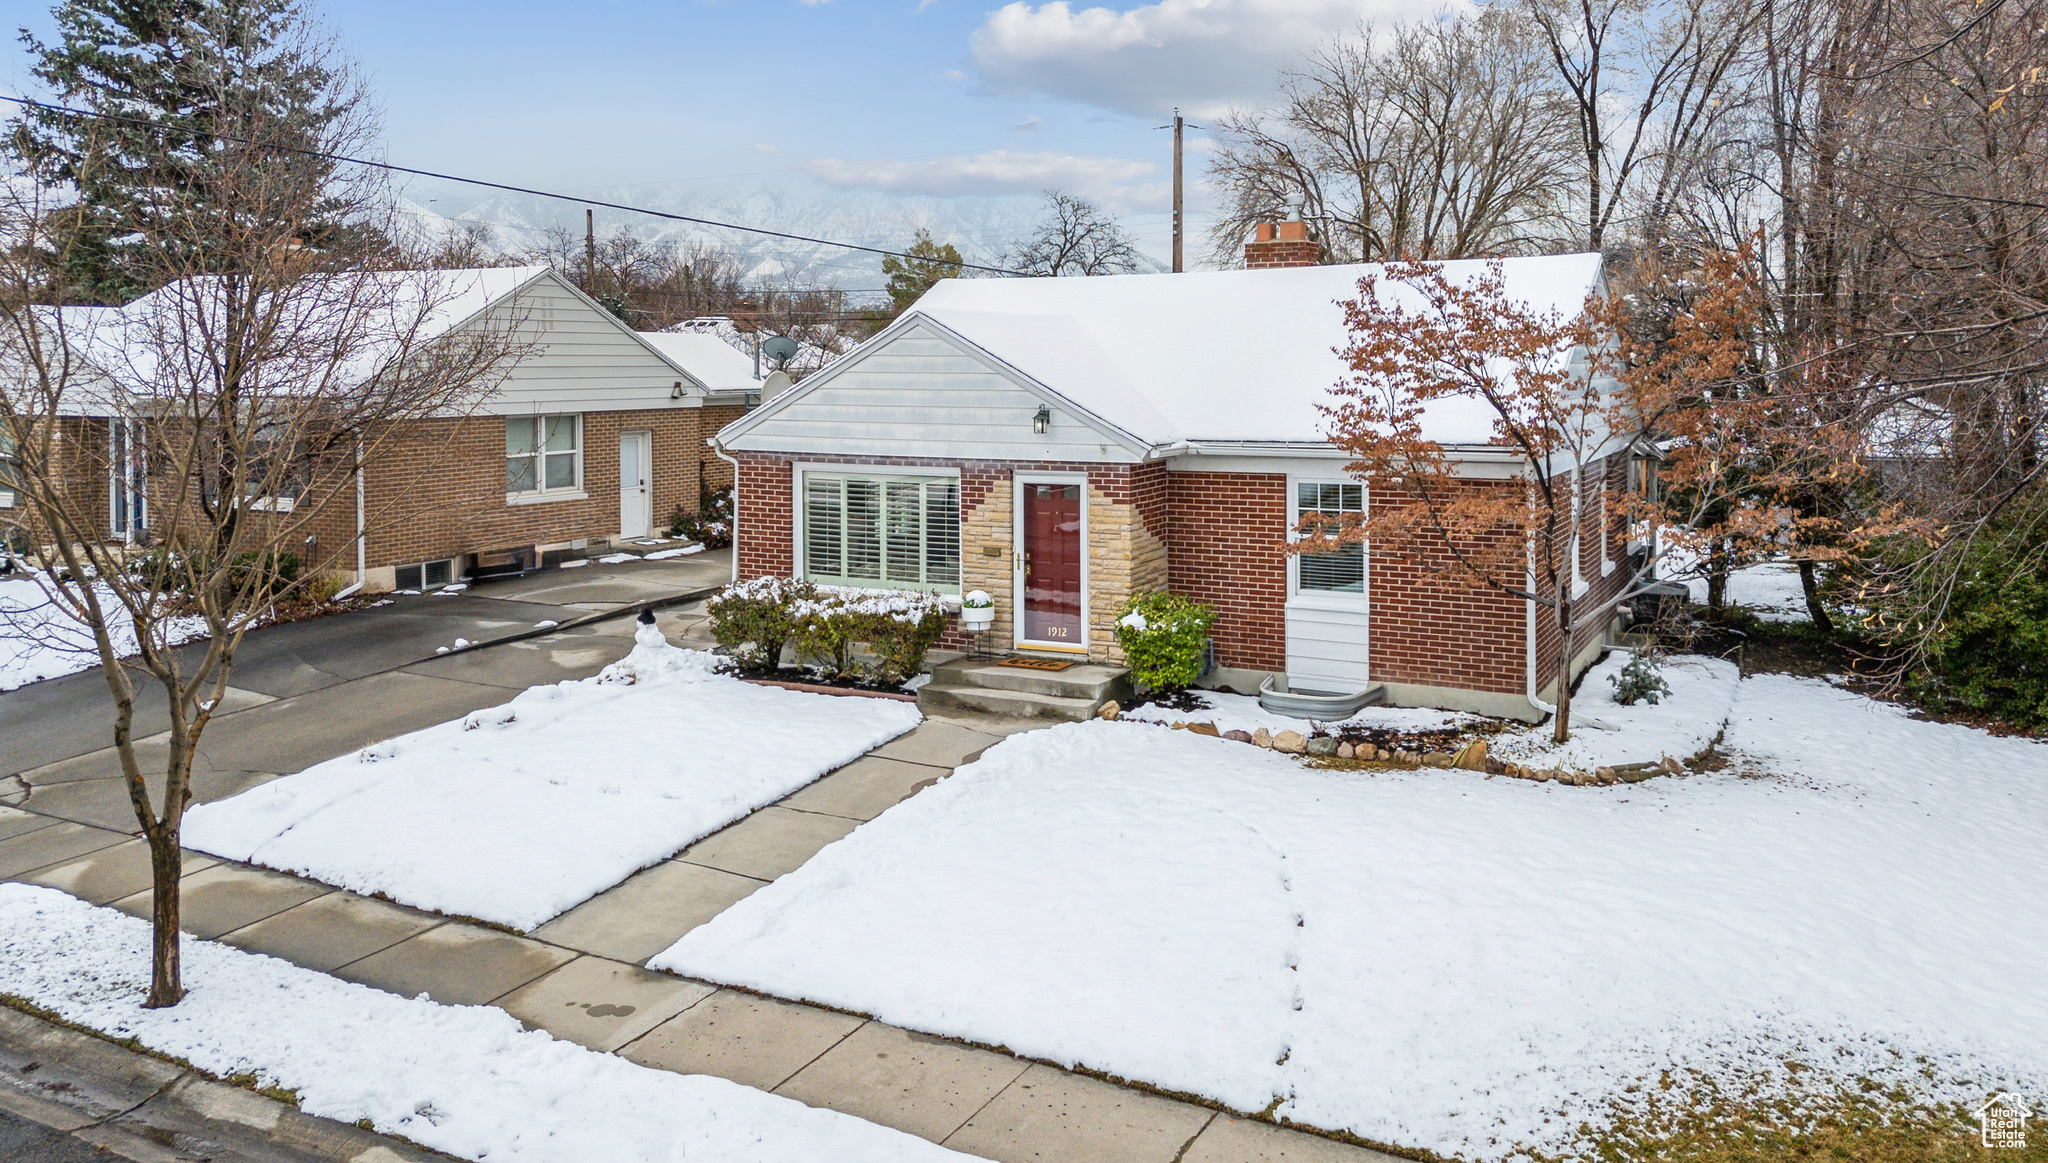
[(586, 362), (918, 395)]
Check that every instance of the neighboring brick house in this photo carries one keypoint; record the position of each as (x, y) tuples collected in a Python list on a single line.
[(1060, 443), (596, 434)]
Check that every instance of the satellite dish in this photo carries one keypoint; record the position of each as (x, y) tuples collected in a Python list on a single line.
[(780, 348)]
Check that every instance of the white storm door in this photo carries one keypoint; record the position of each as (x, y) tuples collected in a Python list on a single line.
[(635, 498)]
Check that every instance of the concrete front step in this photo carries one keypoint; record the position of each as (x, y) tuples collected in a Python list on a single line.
[(1084, 680), (938, 697)]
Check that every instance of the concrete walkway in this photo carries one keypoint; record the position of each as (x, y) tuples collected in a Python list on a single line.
[(580, 978)]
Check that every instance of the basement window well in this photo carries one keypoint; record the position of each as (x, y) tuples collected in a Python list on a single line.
[(426, 575)]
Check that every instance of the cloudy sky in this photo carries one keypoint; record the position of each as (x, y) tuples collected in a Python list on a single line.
[(954, 103)]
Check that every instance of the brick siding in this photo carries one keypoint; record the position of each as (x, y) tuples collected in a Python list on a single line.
[(1217, 538), (1224, 532)]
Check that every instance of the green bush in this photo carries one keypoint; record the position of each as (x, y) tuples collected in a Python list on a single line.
[(710, 524), (897, 628), (1165, 638), (752, 619), (262, 576), (1639, 682), (1990, 654)]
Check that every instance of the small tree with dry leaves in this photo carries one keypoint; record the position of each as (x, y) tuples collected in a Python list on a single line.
[(1560, 393)]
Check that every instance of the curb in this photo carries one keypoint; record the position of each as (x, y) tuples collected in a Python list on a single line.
[(814, 688), (631, 611), (149, 1110)]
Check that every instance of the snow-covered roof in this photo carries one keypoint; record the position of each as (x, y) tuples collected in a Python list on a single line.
[(1215, 355), (716, 364)]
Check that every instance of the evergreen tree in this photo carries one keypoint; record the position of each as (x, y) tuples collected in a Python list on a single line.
[(913, 276), (182, 86)]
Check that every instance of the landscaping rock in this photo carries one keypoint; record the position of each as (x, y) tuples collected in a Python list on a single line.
[(1238, 736), (1383, 755), (1346, 751), (1437, 759), (1291, 742), (1634, 773), (1606, 774), (1672, 766), (1208, 729), (1110, 710), (1323, 745), (1471, 757), (1262, 737)]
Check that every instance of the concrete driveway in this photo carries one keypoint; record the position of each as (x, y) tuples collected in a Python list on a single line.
[(308, 691)]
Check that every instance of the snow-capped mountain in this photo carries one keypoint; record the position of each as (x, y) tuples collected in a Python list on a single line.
[(981, 227)]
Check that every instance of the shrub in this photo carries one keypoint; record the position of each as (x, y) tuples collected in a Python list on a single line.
[(1639, 681), (897, 627), (263, 575), (710, 524), (1165, 639), (752, 619), (1990, 654)]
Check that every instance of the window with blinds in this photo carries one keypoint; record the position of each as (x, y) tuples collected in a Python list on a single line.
[(882, 532), (1341, 571)]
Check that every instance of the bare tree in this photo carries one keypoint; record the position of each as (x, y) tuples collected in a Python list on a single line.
[(1073, 237), (240, 400), (1644, 83), (1443, 142)]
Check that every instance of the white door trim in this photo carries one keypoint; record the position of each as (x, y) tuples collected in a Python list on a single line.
[(1018, 481), (645, 455)]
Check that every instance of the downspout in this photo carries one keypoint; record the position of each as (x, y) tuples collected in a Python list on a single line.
[(1529, 635), (362, 544), (718, 451)]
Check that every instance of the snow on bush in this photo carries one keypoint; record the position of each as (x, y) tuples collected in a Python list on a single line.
[(520, 812), (467, 1080), (1438, 959)]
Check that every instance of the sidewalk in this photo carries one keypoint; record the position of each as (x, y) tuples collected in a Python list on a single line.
[(579, 976)]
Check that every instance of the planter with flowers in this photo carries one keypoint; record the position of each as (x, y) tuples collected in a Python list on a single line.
[(977, 611)]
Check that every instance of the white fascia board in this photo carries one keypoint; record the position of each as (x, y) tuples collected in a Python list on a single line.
[(1475, 462), (729, 437)]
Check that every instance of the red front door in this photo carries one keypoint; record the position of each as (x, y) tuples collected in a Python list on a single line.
[(1052, 564)]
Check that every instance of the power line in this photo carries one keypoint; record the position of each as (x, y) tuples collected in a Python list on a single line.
[(397, 169)]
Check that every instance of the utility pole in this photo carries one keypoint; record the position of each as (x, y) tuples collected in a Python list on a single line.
[(589, 252), (1176, 193)]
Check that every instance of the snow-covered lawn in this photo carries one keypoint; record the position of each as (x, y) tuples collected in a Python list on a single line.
[(518, 813), (37, 640), (1679, 725), (1768, 589), (1436, 959), (466, 1080), (1234, 712)]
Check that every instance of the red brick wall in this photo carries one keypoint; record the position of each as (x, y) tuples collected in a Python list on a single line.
[(762, 507), (1223, 538), (1592, 608), (439, 490), (1429, 628)]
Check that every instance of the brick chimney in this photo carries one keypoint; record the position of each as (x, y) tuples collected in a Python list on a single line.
[(1280, 244)]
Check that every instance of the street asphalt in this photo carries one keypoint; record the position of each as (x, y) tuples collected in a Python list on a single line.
[(22, 1141)]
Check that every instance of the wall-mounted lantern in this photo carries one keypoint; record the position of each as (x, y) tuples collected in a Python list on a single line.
[(1042, 421)]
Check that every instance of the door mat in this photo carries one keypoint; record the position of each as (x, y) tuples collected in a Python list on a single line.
[(1035, 663)]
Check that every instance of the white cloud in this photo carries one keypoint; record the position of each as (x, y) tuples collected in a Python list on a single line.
[(999, 171), (1031, 124), (1201, 55)]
